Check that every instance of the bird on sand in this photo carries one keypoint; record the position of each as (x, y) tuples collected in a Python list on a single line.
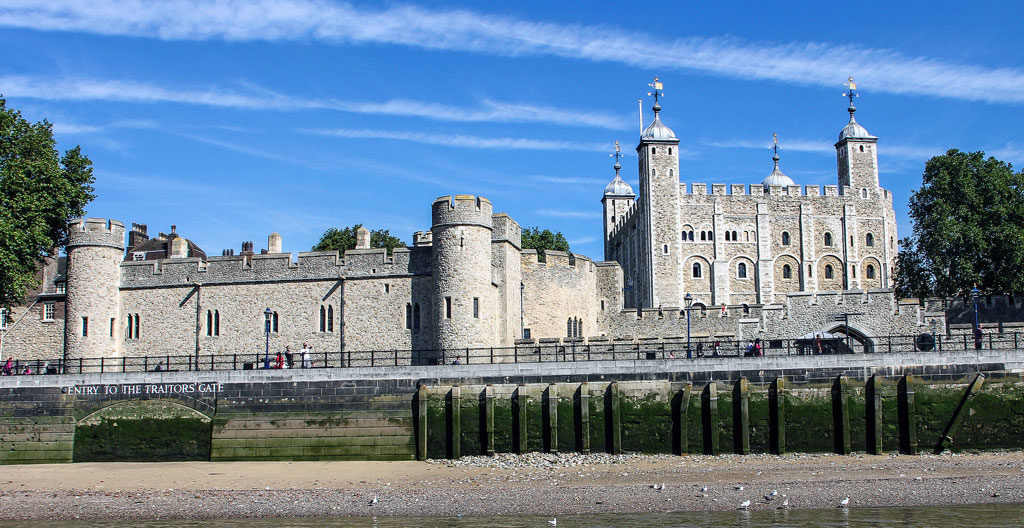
[(374, 501), (553, 522), (745, 504), (704, 489), (785, 504), (845, 503), (771, 495), (739, 488)]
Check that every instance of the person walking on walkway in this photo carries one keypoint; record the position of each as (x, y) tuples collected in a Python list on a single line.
[(305, 356)]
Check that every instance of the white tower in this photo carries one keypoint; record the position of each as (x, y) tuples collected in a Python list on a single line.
[(618, 198)]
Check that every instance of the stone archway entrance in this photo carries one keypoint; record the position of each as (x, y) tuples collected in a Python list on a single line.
[(143, 430), (852, 340)]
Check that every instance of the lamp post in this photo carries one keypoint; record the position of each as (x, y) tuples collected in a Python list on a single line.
[(266, 315), (977, 330), (689, 300)]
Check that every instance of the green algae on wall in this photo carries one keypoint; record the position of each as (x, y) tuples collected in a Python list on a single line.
[(143, 440), (646, 424)]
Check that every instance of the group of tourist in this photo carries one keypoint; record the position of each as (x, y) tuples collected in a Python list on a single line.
[(286, 359), (10, 368)]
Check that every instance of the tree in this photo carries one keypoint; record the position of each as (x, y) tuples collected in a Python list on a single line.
[(968, 228), (39, 192), (534, 238), (340, 240)]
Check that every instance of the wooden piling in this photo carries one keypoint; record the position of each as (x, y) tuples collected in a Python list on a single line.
[(551, 419), (583, 419), (455, 422), (840, 416), (614, 422), (954, 421), (421, 422), (709, 418), (488, 433), (519, 403), (741, 417), (906, 415), (777, 416), (873, 414)]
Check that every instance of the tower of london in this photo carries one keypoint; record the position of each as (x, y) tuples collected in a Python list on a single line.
[(770, 260)]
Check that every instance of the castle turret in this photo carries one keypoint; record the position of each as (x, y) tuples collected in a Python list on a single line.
[(856, 154), (659, 281), (617, 199), (95, 250), (464, 301)]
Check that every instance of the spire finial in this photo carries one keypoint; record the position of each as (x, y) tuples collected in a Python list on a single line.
[(775, 149), (657, 93), (617, 155), (851, 92)]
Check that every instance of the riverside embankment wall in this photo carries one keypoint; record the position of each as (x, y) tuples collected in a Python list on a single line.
[(401, 413)]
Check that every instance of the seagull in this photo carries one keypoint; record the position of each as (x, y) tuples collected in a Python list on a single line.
[(659, 487), (785, 504), (553, 522), (745, 504), (772, 495), (704, 489), (374, 501), (845, 503), (739, 488)]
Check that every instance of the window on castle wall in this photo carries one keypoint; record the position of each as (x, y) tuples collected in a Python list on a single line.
[(568, 327), (870, 271), (654, 150), (85, 327), (128, 334), (851, 240), (869, 240), (216, 323), (748, 236), (863, 193), (862, 148), (602, 306), (828, 271), (408, 316), (691, 236), (670, 151), (853, 270), (61, 287), (703, 235), (273, 323), (828, 239), (416, 317), (476, 307), (810, 271), (787, 272), (727, 236), (209, 323), (746, 309), (330, 319), (48, 311), (323, 319), (137, 328), (579, 329), (734, 237), (387, 288), (664, 249), (448, 307), (696, 270), (741, 271), (785, 238), (113, 322)]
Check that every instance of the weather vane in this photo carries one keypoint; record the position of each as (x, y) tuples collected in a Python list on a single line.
[(775, 138), (851, 89), (658, 92), (618, 152)]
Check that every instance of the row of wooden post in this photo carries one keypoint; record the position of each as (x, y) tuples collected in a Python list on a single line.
[(906, 418)]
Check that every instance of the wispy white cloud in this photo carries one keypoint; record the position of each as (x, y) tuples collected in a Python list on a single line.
[(805, 63), (70, 128), (254, 98), (582, 241), (561, 213), (802, 145), (573, 180), (459, 140)]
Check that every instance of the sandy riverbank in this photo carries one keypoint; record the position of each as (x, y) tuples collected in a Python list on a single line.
[(535, 484)]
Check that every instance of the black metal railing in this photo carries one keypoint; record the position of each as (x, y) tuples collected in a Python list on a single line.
[(542, 351)]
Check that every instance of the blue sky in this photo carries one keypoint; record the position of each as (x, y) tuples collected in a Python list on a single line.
[(235, 119)]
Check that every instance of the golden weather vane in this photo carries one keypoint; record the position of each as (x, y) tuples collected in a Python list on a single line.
[(618, 152), (851, 89), (658, 92), (775, 138)]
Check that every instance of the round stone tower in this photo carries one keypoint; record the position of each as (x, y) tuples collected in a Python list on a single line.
[(463, 305), (95, 250)]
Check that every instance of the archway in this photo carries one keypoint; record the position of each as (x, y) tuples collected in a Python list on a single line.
[(853, 340), (153, 430)]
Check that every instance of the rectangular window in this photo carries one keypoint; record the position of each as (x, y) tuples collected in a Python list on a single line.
[(112, 322), (526, 333), (416, 317), (61, 287), (448, 307), (137, 334), (48, 311), (408, 316), (476, 307), (137, 256), (387, 288), (3, 318), (85, 327), (216, 323), (602, 306)]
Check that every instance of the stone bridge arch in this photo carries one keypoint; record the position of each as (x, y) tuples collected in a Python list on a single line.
[(857, 341)]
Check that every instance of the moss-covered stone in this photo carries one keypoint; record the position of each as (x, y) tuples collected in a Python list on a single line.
[(143, 439)]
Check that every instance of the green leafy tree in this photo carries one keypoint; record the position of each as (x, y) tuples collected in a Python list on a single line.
[(39, 192), (340, 240), (534, 238), (968, 228)]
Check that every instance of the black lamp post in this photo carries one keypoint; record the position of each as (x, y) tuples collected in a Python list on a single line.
[(266, 315), (977, 331), (689, 301)]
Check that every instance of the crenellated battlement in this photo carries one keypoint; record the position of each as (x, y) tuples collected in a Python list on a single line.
[(556, 259), (805, 192), (506, 230), (96, 232), (462, 209)]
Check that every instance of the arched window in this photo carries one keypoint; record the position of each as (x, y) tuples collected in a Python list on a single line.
[(746, 309), (869, 240), (748, 236), (828, 239), (870, 271), (568, 327), (828, 271), (655, 150), (703, 235), (216, 323), (734, 237), (863, 193), (741, 270), (787, 272), (728, 237), (323, 319), (862, 148), (330, 319), (670, 151), (691, 236), (664, 249), (785, 238), (671, 173), (209, 323), (853, 270), (408, 316), (696, 270)]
